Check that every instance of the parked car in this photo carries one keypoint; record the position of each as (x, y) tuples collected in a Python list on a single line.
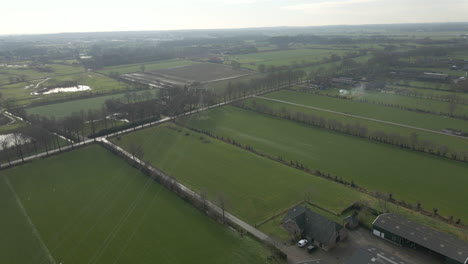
[(311, 248), (302, 243)]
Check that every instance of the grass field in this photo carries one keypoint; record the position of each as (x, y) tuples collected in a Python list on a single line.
[(283, 57), (97, 82), (427, 121), (429, 93), (329, 65), (408, 175), (220, 86), (88, 206), (446, 70), (458, 144), (61, 110), (149, 66), (32, 74), (255, 187), (413, 102), (421, 84)]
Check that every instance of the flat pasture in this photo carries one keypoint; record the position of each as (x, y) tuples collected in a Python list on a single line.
[(453, 143), (29, 73), (410, 176), (64, 109), (89, 206), (221, 86), (422, 120), (284, 57), (434, 106), (21, 92)]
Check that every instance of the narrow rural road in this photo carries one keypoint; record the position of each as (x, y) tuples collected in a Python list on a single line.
[(361, 117)]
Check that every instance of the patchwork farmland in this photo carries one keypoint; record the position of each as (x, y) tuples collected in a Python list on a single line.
[(193, 146)]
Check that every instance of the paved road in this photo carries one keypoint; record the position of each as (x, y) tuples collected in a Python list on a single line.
[(361, 117)]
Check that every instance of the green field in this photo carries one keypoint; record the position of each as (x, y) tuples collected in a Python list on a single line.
[(428, 93), (427, 121), (61, 110), (220, 86), (255, 187), (88, 206), (31, 73), (283, 57), (97, 82), (149, 66), (421, 84), (453, 143), (408, 175), (414, 103), (332, 65)]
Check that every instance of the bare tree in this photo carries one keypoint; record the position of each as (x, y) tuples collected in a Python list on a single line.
[(222, 200), (308, 194), (452, 106), (6, 148), (136, 150), (204, 198), (18, 140)]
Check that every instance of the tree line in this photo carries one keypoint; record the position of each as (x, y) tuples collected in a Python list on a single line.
[(412, 141)]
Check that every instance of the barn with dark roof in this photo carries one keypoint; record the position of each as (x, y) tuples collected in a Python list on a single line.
[(318, 230), (408, 233)]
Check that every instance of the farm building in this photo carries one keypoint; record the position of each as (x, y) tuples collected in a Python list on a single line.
[(320, 231), (407, 233), (373, 255)]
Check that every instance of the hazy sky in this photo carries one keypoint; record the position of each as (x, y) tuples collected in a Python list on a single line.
[(47, 16)]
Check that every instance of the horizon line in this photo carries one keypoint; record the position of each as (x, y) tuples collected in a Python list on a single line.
[(232, 28)]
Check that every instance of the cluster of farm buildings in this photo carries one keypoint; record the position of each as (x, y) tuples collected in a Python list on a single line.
[(301, 222)]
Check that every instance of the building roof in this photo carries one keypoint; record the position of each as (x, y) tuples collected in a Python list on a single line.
[(373, 255), (312, 224), (439, 242)]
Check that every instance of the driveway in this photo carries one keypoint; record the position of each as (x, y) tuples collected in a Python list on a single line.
[(360, 238)]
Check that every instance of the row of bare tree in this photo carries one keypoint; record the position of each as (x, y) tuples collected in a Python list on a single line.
[(412, 141)]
